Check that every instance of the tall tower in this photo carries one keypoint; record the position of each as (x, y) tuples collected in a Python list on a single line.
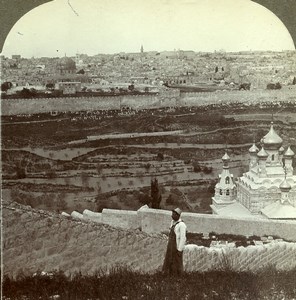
[(225, 189), (253, 156), (288, 159), (285, 188), (142, 49)]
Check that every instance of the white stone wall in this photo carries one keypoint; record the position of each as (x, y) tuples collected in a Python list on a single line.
[(121, 218), (158, 221)]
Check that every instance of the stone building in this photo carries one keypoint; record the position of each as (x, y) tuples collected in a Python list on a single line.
[(267, 190), (66, 65)]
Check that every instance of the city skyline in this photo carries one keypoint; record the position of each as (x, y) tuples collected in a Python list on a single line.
[(113, 27)]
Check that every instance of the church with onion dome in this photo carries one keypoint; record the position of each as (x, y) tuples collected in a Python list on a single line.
[(266, 190)]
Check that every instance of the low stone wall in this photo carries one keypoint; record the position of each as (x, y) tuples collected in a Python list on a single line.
[(280, 255), (121, 218), (158, 221)]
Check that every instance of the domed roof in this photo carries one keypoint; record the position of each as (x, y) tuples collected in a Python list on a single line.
[(262, 153), (289, 152), (282, 149), (67, 63), (253, 149), (272, 140), (285, 186), (225, 157)]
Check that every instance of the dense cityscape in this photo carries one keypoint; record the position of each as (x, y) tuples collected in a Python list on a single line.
[(146, 72)]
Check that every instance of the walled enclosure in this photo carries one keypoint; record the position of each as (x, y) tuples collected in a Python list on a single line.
[(158, 221), (73, 104)]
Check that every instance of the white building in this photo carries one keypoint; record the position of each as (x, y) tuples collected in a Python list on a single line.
[(267, 190)]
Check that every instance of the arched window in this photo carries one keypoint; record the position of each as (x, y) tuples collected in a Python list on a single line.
[(227, 180), (227, 192), (272, 157), (220, 192)]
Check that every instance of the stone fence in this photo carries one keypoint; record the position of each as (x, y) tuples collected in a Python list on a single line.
[(157, 221)]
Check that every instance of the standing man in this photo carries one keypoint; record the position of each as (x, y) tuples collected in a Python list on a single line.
[(173, 262)]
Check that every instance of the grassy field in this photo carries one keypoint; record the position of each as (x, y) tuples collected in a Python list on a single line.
[(123, 283)]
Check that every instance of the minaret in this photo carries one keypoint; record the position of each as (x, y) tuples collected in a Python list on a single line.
[(288, 159), (225, 189), (142, 49), (253, 156)]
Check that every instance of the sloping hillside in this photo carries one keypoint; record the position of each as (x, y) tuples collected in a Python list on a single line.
[(38, 240)]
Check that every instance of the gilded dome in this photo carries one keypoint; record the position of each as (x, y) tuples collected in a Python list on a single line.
[(272, 140)]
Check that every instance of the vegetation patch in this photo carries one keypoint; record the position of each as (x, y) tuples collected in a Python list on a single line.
[(124, 283)]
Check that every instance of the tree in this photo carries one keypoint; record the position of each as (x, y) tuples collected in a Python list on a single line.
[(51, 173), (272, 86), (84, 179), (99, 168), (28, 93), (131, 87), (6, 86), (160, 156), (61, 202), (196, 167), (50, 86), (155, 194)]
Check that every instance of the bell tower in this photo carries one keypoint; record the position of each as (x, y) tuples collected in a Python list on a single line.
[(225, 189)]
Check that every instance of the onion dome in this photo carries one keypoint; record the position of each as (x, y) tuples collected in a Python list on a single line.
[(285, 186), (289, 153), (281, 150), (272, 140), (253, 149), (262, 153), (225, 160), (225, 157)]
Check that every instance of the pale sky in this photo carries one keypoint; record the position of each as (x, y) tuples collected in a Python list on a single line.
[(110, 26)]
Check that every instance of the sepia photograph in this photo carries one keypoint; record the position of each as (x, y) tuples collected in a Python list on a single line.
[(148, 149)]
